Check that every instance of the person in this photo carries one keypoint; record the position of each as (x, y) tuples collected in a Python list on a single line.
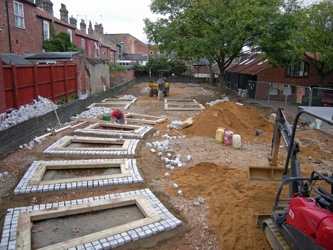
[(160, 89), (118, 116)]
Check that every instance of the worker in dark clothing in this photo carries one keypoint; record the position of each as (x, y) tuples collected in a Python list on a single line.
[(160, 89)]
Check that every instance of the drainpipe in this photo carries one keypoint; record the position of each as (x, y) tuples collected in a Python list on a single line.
[(9, 36)]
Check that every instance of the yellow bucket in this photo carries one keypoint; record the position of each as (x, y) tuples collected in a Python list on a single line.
[(219, 135)]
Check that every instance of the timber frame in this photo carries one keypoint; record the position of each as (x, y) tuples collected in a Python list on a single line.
[(182, 105), (114, 103), (97, 129), (26, 219), (37, 177), (122, 144), (145, 119)]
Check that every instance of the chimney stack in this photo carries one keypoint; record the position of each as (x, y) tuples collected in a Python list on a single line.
[(39, 4), (90, 29), (83, 26), (63, 13), (99, 28), (72, 21), (46, 5)]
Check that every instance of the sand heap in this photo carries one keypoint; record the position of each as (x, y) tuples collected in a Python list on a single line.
[(233, 202), (231, 116)]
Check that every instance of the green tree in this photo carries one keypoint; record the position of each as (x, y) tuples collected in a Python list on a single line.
[(60, 43), (219, 30), (116, 67), (318, 37)]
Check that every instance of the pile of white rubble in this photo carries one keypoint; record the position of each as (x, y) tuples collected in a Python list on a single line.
[(26, 112)]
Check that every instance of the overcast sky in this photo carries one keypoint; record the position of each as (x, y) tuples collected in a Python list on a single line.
[(125, 16)]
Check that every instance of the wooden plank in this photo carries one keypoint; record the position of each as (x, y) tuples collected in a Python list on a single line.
[(62, 146), (37, 177), (23, 237), (182, 105), (83, 208), (102, 234)]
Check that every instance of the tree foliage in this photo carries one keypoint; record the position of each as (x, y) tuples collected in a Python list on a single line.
[(318, 37), (116, 67), (219, 30), (60, 43), (161, 65)]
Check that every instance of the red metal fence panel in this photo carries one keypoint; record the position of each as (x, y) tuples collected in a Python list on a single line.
[(23, 83)]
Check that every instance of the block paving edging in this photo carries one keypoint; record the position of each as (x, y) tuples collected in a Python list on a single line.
[(131, 148), (168, 222), (23, 188), (132, 135)]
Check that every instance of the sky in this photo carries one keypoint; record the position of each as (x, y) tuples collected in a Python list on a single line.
[(125, 16)]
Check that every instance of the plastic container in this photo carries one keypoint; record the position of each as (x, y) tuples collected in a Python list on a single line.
[(228, 138), (106, 118), (219, 135), (318, 124), (236, 141)]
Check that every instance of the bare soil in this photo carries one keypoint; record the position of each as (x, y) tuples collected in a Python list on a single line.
[(217, 172)]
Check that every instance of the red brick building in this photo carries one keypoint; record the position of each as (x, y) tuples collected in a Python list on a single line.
[(252, 68), (21, 29), (132, 49)]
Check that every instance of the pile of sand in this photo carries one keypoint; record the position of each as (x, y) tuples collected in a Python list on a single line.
[(233, 202), (232, 116)]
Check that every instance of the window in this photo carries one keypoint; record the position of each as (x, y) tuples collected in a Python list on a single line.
[(19, 15), (69, 31), (299, 70), (112, 57), (82, 44), (46, 30)]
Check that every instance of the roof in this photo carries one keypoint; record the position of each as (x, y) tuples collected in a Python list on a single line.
[(12, 59), (118, 38), (249, 64), (83, 34), (50, 55), (48, 16), (135, 57)]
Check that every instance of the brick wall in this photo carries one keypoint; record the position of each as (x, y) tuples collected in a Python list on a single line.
[(23, 40), (11, 138), (278, 75), (133, 46)]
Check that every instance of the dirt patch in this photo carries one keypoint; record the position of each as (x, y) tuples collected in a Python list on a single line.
[(217, 173), (56, 230)]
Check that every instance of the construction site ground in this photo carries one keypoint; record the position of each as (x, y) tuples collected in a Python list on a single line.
[(217, 172)]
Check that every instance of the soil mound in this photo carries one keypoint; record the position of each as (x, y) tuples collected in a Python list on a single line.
[(233, 202), (233, 117)]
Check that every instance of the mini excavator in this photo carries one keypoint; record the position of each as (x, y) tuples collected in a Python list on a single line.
[(303, 220)]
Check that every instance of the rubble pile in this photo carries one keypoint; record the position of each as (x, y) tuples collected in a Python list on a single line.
[(94, 111), (127, 97), (26, 112)]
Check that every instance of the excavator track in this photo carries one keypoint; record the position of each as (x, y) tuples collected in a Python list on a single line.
[(274, 237)]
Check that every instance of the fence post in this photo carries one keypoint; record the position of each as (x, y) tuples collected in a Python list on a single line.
[(66, 81), (52, 83), (14, 86), (35, 73), (269, 93), (310, 96), (76, 79), (286, 99), (2, 91)]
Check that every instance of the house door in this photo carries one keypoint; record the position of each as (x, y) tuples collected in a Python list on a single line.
[(251, 89)]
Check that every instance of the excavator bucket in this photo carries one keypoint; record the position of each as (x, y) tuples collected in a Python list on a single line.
[(265, 174)]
